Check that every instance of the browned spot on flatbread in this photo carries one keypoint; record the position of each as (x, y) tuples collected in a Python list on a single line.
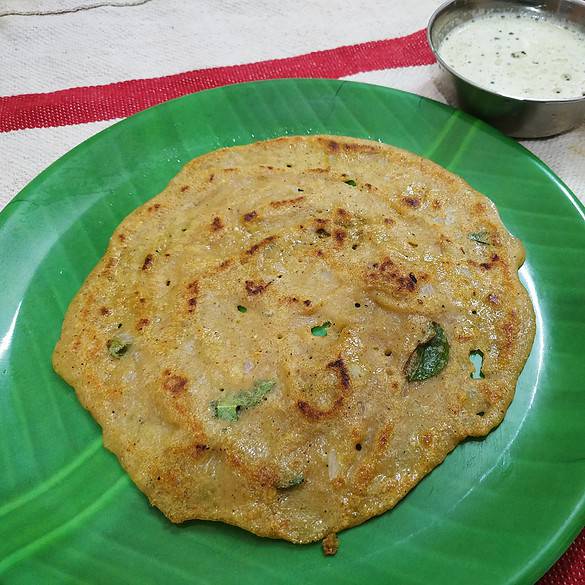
[(510, 329), (339, 366), (464, 336), (313, 413), (366, 472), (342, 217), (340, 236), (265, 476), (175, 384), (261, 474), (492, 394), (493, 299), (225, 264), (388, 272), (148, 262), (286, 202), (411, 202), (384, 437), (105, 311), (256, 288), (489, 265), (216, 224), (332, 146), (184, 188), (200, 448), (359, 148), (427, 439), (142, 323), (193, 292), (259, 245)]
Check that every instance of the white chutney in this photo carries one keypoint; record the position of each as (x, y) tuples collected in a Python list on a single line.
[(519, 54)]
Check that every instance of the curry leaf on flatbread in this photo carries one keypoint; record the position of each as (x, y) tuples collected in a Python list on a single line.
[(429, 358), (230, 407)]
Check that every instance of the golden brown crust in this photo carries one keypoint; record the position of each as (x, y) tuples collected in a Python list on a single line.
[(330, 545), (218, 282)]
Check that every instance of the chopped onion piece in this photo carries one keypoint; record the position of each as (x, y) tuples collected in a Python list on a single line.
[(333, 464)]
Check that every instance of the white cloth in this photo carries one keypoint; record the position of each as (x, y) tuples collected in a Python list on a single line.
[(40, 7), (69, 43)]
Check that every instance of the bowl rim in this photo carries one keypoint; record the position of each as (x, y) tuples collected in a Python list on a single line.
[(435, 49)]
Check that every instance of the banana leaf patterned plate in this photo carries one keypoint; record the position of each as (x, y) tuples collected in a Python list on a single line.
[(498, 511)]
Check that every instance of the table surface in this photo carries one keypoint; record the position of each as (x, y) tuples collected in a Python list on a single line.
[(70, 68)]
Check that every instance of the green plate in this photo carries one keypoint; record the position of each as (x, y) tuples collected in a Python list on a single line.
[(499, 510)]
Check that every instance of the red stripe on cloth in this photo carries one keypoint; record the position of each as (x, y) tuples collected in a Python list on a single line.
[(79, 105)]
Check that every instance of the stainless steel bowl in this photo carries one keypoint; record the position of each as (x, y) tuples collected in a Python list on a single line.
[(522, 118)]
